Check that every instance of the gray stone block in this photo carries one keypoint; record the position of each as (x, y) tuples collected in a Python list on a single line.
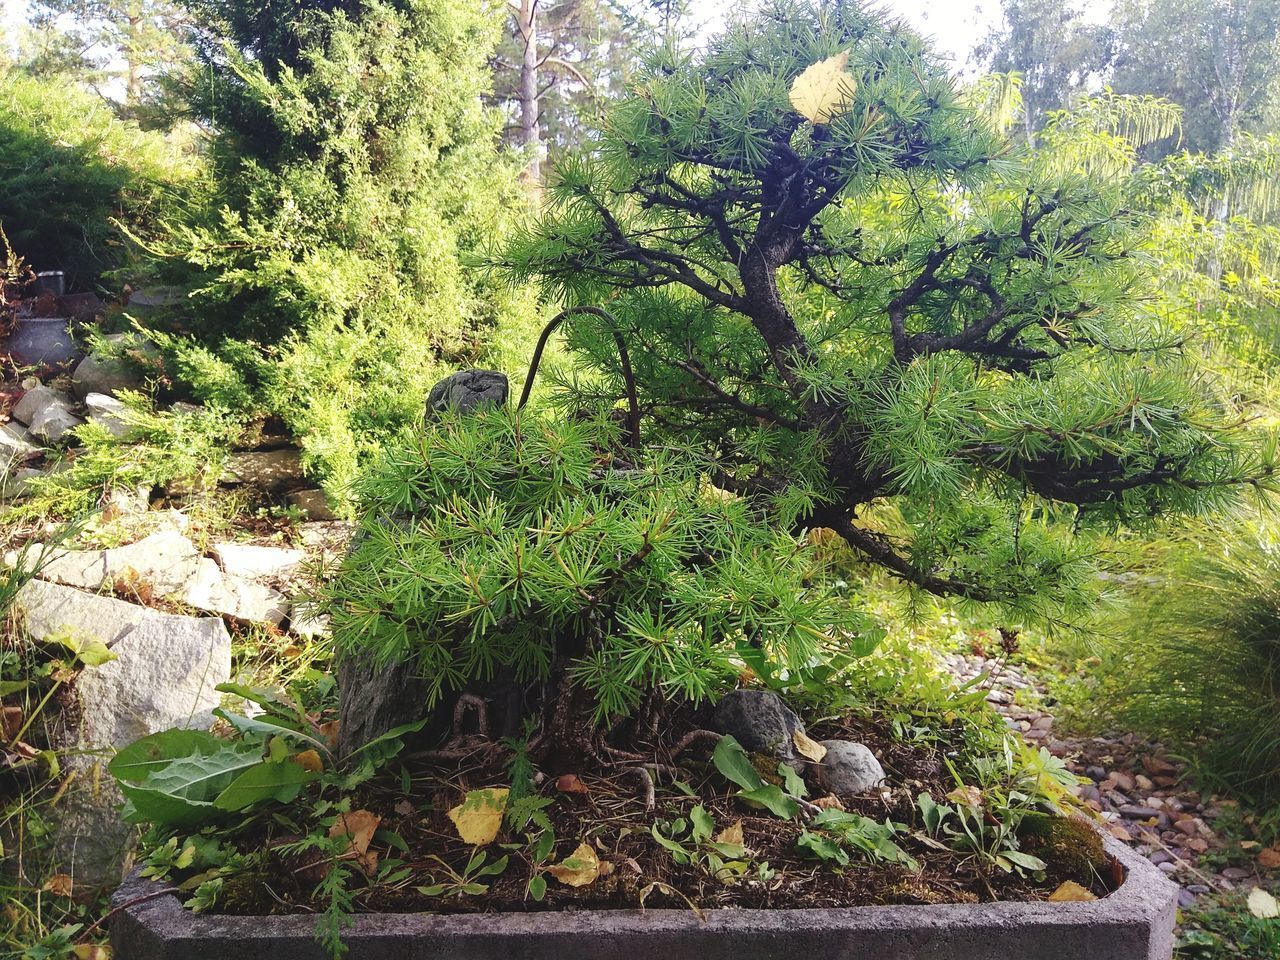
[(1134, 923)]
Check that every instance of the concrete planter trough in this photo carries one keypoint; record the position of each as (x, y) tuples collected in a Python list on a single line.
[(1134, 923)]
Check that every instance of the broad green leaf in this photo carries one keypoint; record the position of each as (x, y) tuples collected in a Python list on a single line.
[(155, 752), (1024, 860), (703, 824), (94, 653), (772, 799), (266, 781), (262, 697), (395, 733), (822, 847), (792, 781), (173, 777), (734, 764), (267, 726)]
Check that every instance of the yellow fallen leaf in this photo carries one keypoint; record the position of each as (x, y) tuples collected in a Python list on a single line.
[(578, 869), (59, 885), (808, 748), (479, 817), (823, 91), (1071, 892), (731, 834), (309, 760), (91, 951), (1263, 905)]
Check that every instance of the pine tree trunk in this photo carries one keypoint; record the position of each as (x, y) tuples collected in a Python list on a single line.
[(530, 136)]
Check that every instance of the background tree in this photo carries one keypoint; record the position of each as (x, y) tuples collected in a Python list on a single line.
[(130, 41), (1218, 59), (561, 62), (1058, 54), (869, 315), (555, 69)]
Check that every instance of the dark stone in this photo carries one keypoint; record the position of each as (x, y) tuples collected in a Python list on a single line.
[(1132, 811), (848, 769), (43, 340), (1134, 923), (469, 390), (760, 721)]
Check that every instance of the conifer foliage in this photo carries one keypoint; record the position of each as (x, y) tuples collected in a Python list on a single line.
[(885, 320), (511, 545)]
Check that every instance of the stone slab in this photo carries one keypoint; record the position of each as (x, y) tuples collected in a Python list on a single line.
[(1134, 923), (166, 561)]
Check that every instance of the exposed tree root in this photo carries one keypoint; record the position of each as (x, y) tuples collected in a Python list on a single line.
[(692, 737)]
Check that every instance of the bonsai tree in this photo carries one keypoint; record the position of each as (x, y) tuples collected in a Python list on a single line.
[(868, 311), (826, 292)]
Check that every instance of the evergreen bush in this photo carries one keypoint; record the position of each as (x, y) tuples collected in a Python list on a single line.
[(71, 172), (356, 167)]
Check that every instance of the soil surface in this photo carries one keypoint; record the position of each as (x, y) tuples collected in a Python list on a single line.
[(606, 808)]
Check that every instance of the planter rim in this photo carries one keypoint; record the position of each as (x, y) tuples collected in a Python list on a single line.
[(1135, 922)]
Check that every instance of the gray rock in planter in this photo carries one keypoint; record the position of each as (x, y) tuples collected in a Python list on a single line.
[(761, 721), (268, 470), (164, 675), (469, 390), (37, 399), (211, 589), (107, 411), (848, 769), (15, 445), (253, 562), (153, 298), (53, 423), (166, 561), (99, 373)]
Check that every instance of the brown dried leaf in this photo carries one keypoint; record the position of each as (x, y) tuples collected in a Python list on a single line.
[(808, 748), (1269, 859), (10, 722), (731, 834), (830, 802), (330, 732), (360, 825), (59, 885), (1071, 892), (967, 794), (569, 783), (578, 869)]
